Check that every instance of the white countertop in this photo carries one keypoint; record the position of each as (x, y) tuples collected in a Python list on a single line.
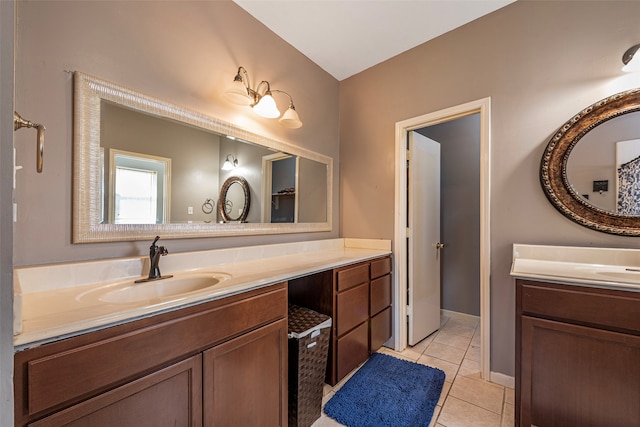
[(610, 268), (49, 303)]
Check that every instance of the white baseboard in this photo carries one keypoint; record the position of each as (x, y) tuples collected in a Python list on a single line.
[(502, 379)]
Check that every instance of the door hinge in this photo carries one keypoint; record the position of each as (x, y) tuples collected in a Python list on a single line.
[(409, 155)]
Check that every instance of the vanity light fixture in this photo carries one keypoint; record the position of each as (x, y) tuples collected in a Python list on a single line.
[(631, 59), (261, 99), (230, 164)]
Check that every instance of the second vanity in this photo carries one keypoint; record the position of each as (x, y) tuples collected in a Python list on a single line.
[(214, 355), (577, 336)]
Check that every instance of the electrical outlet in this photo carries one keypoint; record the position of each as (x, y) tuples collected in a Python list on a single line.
[(190, 210)]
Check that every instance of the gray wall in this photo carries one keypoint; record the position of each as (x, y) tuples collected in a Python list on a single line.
[(540, 62), (6, 222), (183, 52), (460, 212), (193, 152)]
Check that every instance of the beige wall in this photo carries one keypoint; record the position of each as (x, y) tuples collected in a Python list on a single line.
[(540, 62), (184, 52)]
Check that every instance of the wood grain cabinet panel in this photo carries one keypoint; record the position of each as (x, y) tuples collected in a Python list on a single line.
[(577, 356), (352, 349), (352, 308), (352, 276), (380, 329), (169, 397), (380, 267), (245, 378), (358, 299), (68, 376), (380, 294)]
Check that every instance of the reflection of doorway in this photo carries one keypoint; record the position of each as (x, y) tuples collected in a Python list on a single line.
[(400, 234), (279, 183)]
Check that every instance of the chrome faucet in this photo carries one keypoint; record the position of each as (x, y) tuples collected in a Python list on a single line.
[(155, 252)]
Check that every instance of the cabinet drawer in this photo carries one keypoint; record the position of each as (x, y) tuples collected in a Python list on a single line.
[(352, 308), (380, 267), (582, 305), (66, 372), (353, 276), (380, 327), (380, 294), (177, 387), (352, 350)]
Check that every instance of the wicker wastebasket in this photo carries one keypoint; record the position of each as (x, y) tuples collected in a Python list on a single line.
[(308, 347)]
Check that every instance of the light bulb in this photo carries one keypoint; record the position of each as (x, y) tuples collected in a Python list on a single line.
[(266, 107)]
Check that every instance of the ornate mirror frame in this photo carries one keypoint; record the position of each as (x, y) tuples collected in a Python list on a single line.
[(222, 201), (553, 166), (89, 92)]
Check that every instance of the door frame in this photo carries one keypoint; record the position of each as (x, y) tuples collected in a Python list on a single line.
[(482, 106)]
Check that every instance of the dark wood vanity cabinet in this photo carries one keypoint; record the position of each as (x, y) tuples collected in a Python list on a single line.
[(577, 356), (358, 299), (218, 363)]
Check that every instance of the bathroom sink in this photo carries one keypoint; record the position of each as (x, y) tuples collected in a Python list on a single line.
[(129, 292)]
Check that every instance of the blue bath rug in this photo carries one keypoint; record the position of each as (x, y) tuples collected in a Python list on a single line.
[(387, 391)]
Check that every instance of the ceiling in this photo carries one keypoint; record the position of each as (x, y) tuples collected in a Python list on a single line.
[(345, 37)]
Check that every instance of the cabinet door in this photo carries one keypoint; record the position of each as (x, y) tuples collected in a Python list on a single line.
[(352, 308), (352, 350), (380, 329), (380, 294), (169, 397), (578, 376), (245, 379)]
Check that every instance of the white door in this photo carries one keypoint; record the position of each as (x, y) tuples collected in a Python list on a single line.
[(423, 234)]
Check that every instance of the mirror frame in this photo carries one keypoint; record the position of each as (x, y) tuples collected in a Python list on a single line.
[(223, 196), (553, 166), (88, 94)]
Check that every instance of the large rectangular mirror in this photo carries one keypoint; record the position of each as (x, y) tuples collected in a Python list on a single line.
[(144, 167)]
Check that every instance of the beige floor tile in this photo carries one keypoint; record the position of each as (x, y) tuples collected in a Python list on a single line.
[(452, 328), (450, 369), (470, 369), (326, 421), (464, 320), (509, 396), (458, 413), (422, 345), (480, 393), (434, 417), (507, 416), (475, 341), (473, 353), (453, 340), (445, 352), (406, 354), (444, 393)]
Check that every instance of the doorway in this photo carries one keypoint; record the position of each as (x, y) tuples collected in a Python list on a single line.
[(400, 234)]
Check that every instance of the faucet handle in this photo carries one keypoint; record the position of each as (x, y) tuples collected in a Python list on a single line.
[(162, 250)]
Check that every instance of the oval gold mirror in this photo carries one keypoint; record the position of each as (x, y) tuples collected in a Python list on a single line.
[(562, 185), (235, 199)]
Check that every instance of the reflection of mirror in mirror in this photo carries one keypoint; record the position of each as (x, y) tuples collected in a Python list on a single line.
[(605, 154), (109, 119), (235, 200)]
